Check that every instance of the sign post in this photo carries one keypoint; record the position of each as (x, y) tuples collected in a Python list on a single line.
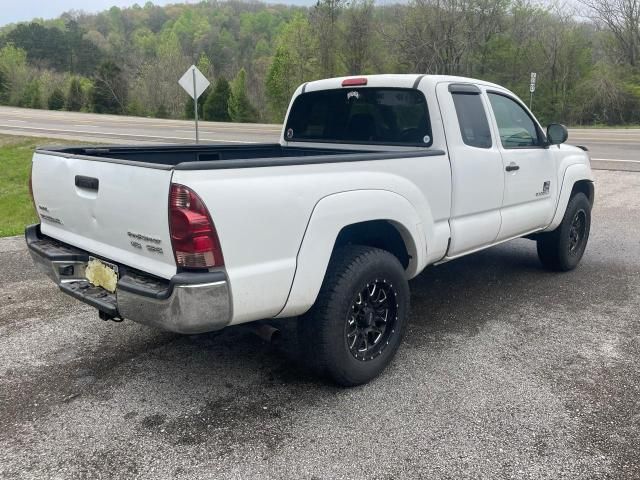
[(194, 83), (532, 88)]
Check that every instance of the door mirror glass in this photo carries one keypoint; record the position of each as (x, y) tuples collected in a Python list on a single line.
[(557, 134)]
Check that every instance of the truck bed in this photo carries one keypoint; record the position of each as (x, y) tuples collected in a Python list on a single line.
[(208, 157)]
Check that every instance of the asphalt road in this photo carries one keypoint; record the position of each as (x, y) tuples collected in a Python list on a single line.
[(507, 371), (125, 130), (613, 149)]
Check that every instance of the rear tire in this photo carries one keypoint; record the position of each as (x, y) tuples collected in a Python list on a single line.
[(356, 325), (561, 250)]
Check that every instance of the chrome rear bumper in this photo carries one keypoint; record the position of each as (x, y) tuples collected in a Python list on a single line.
[(188, 303)]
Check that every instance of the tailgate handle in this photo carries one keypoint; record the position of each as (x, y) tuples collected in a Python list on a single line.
[(88, 183)]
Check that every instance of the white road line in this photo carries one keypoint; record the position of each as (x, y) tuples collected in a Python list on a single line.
[(615, 160), (55, 130)]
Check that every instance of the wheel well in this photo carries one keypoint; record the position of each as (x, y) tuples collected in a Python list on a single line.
[(376, 233), (584, 186)]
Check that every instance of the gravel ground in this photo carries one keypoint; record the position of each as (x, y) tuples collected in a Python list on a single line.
[(507, 371)]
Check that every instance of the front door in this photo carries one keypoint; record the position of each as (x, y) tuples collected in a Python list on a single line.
[(530, 184), (476, 168)]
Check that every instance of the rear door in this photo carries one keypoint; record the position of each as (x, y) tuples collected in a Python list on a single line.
[(530, 186), (115, 211), (476, 168)]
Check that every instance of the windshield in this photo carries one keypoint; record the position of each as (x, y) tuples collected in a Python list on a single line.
[(389, 116)]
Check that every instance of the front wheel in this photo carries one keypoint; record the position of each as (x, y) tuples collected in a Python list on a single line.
[(357, 323), (562, 249)]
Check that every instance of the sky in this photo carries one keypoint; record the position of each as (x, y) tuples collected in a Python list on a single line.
[(21, 10)]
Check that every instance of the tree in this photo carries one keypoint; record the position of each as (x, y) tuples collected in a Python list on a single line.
[(216, 108), (56, 99), (75, 96), (156, 81), (606, 96), (279, 84), (161, 112), (13, 64), (240, 108), (293, 64), (83, 55), (110, 89), (189, 106), (62, 49), (206, 67), (4, 87), (31, 96), (622, 18), (359, 24), (43, 46), (324, 20)]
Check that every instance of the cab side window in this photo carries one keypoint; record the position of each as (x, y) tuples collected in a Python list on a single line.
[(517, 129), (472, 119)]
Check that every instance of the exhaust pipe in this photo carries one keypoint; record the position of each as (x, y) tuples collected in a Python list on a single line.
[(266, 332)]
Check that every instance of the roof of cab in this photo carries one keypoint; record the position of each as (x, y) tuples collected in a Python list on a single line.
[(394, 80)]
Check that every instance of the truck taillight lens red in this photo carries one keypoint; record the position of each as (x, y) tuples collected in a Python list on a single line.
[(193, 236), (352, 82)]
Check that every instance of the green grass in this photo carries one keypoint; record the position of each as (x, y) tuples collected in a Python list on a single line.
[(16, 208)]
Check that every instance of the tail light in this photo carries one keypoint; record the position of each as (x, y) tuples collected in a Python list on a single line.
[(352, 82), (193, 236)]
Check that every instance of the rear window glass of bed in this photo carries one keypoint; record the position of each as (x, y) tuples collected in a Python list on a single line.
[(389, 116)]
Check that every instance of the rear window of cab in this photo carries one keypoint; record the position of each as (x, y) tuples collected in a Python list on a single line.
[(366, 115)]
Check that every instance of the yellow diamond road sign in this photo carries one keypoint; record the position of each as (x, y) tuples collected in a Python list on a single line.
[(194, 82)]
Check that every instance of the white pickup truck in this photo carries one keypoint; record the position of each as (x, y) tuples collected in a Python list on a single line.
[(374, 178)]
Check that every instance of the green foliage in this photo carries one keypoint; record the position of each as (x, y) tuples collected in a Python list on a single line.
[(189, 106), (31, 95), (75, 96), (135, 108), (205, 65), (110, 89), (216, 108), (16, 209), (279, 84), (240, 108), (56, 100), (161, 112), (128, 60), (294, 63), (4, 87), (59, 49), (13, 64)]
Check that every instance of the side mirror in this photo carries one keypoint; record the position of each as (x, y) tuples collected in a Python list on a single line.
[(557, 134)]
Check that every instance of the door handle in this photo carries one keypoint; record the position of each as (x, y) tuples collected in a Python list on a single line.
[(512, 167), (88, 183)]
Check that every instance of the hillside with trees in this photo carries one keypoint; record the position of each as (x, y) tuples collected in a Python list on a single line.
[(128, 61)]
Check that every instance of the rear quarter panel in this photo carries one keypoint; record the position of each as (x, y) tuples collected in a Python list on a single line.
[(262, 214)]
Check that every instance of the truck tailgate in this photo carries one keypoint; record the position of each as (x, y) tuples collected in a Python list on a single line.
[(113, 210)]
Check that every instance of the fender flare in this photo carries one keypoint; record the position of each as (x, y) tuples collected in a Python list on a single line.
[(573, 173), (329, 216)]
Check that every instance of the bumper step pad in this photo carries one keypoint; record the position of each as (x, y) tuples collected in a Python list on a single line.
[(97, 297)]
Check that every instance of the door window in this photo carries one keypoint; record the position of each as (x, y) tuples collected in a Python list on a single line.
[(517, 129), (472, 119)]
